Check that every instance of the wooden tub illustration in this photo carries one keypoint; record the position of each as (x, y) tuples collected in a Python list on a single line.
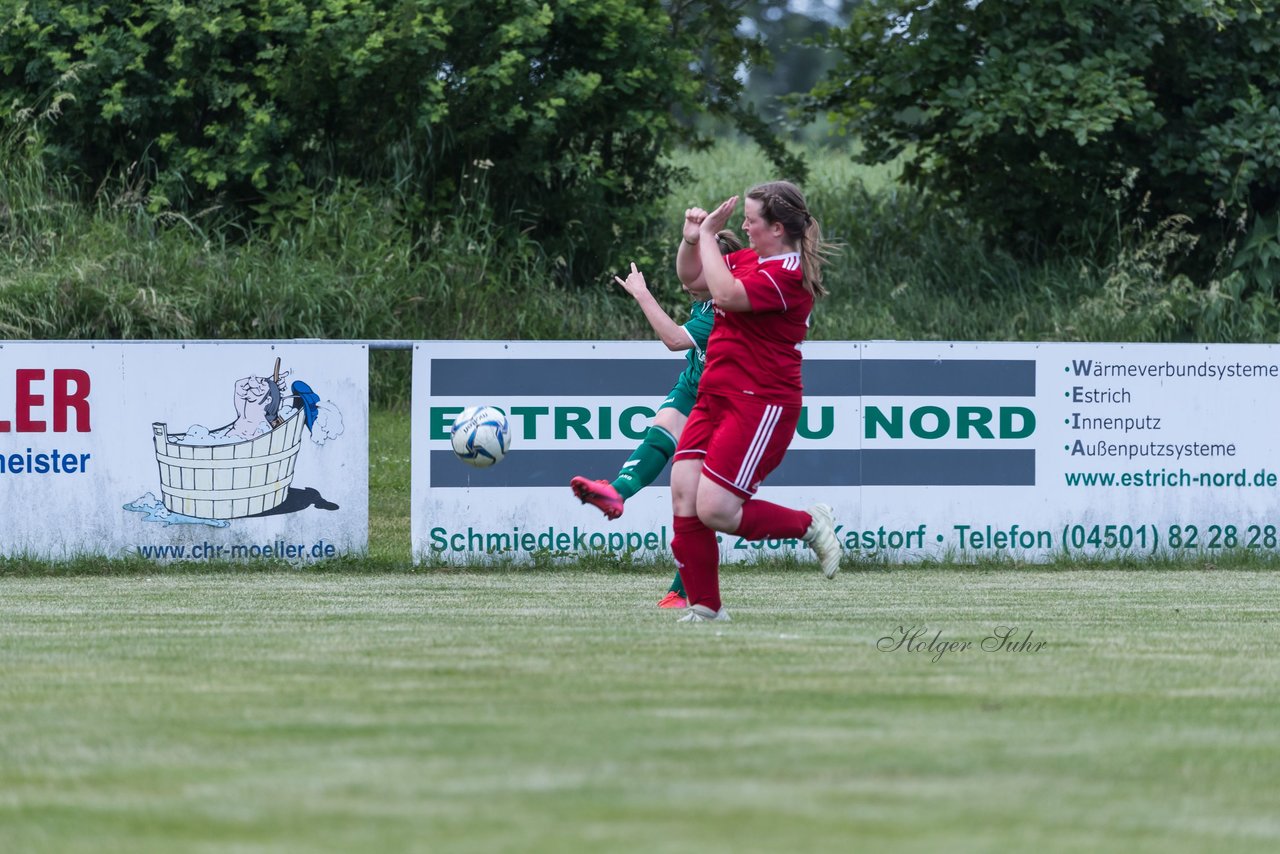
[(228, 481)]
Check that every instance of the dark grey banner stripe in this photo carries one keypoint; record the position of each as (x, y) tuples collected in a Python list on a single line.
[(949, 377), (491, 378), (802, 467), (944, 467), (831, 377)]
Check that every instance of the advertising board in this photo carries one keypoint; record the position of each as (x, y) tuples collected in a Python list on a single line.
[(183, 450), (924, 449)]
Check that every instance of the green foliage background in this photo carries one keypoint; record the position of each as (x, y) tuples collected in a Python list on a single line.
[(256, 107), (1035, 117), (395, 180)]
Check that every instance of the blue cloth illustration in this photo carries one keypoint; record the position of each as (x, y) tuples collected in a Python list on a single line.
[(309, 398)]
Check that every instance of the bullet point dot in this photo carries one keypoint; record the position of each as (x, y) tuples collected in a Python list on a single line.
[(939, 538)]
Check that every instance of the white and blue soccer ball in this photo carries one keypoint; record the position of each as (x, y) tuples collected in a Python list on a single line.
[(480, 436)]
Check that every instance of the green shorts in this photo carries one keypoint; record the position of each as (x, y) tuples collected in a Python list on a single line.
[(683, 394)]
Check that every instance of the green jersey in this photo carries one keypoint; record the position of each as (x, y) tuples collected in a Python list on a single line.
[(701, 318)]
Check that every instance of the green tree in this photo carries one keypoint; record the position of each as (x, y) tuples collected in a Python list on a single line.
[(559, 114), (1034, 117)]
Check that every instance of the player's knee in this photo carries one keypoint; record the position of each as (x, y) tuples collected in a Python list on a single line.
[(716, 517)]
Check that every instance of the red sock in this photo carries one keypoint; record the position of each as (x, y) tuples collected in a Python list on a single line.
[(697, 556), (762, 520)]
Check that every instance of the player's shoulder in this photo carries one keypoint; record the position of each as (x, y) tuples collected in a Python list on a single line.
[(787, 261), (783, 271), (703, 309)]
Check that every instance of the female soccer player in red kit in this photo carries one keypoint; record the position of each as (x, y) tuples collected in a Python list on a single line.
[(750, 395)]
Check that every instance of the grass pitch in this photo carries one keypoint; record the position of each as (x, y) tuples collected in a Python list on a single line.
[(558, 710)]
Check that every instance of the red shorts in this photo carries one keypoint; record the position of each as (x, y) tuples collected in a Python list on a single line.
[(740, 440)]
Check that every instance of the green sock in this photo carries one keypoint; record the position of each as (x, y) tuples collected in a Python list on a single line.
[(677, 586), (645, 463)]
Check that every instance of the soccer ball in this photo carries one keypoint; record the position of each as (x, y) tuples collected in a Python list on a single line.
[(481, 436)]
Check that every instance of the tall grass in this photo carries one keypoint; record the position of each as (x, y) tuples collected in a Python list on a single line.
[(355, 265)]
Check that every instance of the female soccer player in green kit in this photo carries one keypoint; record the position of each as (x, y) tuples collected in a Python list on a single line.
[(650, 458)]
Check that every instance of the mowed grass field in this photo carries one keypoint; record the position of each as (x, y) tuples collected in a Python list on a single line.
[(560, 711), (508, 709)]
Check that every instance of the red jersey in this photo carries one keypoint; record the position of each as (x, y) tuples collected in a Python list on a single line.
[(756, 353)]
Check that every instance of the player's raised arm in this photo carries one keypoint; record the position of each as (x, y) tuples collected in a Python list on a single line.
[(669, 332), (728, 292), (688, 259)]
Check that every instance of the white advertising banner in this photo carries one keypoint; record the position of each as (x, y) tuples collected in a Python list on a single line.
[(184, 451), (924, 449)]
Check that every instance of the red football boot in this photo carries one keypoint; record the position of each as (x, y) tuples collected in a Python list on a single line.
[(673, 600)]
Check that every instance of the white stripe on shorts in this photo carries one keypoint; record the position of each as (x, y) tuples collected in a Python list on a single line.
[(764, 432)]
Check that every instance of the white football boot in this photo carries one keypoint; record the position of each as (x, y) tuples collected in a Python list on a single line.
[(703, 614), (821, 537)]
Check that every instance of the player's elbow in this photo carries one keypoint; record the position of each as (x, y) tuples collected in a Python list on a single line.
[(734, 302), (675, 344)]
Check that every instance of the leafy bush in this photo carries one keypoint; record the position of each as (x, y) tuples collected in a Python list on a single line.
[(1025, 114), (256, 104)]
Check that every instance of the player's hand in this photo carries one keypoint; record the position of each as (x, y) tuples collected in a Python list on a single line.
[(633, 284), (719, 218)]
